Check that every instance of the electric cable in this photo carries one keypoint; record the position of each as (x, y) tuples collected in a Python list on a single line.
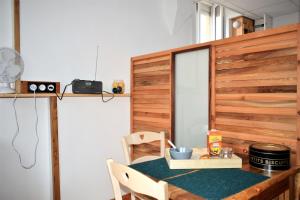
[(102, 97), (105, 101), (18, 131), (62, 95)]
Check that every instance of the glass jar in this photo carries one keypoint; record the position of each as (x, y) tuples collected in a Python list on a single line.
[(118, 87)]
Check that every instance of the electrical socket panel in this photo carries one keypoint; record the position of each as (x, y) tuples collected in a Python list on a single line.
[(38, 87)]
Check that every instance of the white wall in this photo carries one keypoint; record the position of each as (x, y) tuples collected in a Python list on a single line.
[(17, 183), (58, 43), (6, 23), (286, 19)]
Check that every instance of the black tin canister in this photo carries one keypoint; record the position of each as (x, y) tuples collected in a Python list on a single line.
[(269, 156)]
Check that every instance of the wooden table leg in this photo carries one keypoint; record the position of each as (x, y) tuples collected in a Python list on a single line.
[(54, 148), (297, 185), (292, 189)]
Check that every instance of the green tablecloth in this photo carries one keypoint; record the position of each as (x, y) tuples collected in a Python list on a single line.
[(212, 184), (216, 184), (158, 169)]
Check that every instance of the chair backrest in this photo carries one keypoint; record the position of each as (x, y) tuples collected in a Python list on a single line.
[(135, 181), (141, 138)]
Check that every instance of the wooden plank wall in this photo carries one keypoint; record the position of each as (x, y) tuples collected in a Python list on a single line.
[(253, 90), (151, 98), (256, 90)]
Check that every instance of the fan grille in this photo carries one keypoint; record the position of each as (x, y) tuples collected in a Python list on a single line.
[(11, 65)]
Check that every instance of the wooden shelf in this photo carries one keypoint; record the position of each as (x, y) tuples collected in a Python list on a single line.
[(41, 95)]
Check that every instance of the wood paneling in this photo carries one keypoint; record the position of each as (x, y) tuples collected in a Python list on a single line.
[(43, 95), (212, 109), (151, 98), (256, 90), (298, 99), (254, 87)]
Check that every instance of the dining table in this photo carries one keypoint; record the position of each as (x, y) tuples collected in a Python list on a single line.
[(223, 183)]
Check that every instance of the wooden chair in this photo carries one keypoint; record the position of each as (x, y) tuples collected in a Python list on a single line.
[(140, 138), (135, 181)]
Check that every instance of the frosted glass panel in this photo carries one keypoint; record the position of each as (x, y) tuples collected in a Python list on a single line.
[(191, 98)]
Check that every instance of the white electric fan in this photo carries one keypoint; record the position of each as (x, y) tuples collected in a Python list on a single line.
[(11, 69)]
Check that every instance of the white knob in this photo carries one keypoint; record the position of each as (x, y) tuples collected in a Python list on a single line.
[(42, 87), (33, 87)]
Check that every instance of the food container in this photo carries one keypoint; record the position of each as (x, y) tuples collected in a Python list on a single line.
[(269, 156), (118, 87), (214, 142), (181, 153), (226, 152)]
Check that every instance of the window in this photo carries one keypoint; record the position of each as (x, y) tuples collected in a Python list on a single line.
[(204, 23), (218, 25), (212, 21)]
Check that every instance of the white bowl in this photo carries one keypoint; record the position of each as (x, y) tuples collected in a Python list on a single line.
[(181, 153)]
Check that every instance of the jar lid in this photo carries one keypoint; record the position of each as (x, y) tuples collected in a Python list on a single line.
[(269, 148)]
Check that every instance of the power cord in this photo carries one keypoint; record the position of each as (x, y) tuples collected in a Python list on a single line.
[(105, 101), (18, 131), (62, 95), (102, 97), (36, 124)]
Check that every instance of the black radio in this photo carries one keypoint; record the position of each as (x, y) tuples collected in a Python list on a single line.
[(86, 87)]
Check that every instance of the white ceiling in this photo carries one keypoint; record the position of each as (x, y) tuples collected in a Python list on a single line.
[(257, 8)]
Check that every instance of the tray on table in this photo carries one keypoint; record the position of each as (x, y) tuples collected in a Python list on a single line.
[(204, 163)]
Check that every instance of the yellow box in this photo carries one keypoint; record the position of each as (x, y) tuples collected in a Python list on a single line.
[(214, 143)]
